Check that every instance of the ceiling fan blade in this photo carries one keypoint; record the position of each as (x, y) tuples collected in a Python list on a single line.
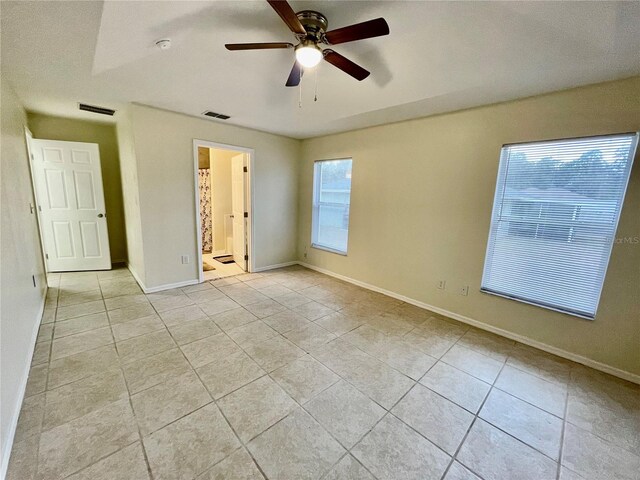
[(295, 76), (359, 31), (287, 14), (257, 46), (346, 65)]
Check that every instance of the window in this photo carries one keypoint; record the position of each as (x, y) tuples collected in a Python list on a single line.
[(555, 214), (331, 198)]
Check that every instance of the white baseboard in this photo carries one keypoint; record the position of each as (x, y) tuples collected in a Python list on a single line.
[(169, 286), (631, 377), (273, 267), (8, 446), (160, 288), (186, 283)]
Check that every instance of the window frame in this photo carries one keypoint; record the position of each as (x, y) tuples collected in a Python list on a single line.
[(498, 205), (315, 206)]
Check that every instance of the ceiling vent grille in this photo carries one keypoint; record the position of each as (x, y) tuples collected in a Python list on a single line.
[(211, 114), (95, 109)]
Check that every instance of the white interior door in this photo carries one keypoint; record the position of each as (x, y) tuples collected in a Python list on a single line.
[(70, 198), (238, 209)]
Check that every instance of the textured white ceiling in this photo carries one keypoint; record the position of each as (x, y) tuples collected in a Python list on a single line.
[(440, 56)]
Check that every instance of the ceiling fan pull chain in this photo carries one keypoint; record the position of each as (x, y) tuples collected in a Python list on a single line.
[(315, 94)]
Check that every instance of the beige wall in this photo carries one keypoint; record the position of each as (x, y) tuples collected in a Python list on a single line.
[(71, 130), (422, 194), (130, 194), (21, 262), (163, 143), (220, 193)]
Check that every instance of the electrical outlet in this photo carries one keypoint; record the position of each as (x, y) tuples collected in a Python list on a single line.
[(464, 290), (442, 284), (185, 259), (305, 252)]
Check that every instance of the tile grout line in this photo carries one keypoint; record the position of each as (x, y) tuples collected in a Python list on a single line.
[(475, 418), (387, 411), (124, 378), (193, 369), (493, 386), (214, 401), (230, 427), (46, 385), (103, 456), (301, 406), (347, 451), (409, 426), (564, 427)]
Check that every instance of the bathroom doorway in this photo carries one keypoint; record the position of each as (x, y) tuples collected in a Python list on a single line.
[(223, 191)]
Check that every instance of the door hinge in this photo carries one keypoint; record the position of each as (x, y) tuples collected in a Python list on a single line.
[(244, 169), (32, 157), (246, 257), (39, 208), (46, 255), (246, 214)]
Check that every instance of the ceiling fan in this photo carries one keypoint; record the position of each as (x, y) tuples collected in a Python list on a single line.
[(310, 29)]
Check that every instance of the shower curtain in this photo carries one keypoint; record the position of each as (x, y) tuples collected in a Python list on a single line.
[(206, 224)]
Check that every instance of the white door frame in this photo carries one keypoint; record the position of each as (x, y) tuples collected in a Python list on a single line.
[(29, 136), (251, 154)]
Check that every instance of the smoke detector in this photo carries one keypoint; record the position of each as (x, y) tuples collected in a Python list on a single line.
[(164, 44)]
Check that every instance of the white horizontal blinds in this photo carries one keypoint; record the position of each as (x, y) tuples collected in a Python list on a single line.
[(331, 200), (555, 214)]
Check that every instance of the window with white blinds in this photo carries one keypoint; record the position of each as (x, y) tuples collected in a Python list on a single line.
[(331, 201), (554, 220)]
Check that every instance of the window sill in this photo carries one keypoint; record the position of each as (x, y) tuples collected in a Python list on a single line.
[(328, 249), (583, 316)]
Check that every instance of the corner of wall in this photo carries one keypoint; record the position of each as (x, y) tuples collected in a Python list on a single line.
[(23, 286), (130, 193)]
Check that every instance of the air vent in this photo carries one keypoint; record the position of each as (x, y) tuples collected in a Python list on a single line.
[(211, 114), (95, 109)]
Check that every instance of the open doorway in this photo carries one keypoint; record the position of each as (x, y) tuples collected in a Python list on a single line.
[(223, 200)]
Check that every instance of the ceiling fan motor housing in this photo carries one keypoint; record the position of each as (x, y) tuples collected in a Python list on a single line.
[(314, 23)]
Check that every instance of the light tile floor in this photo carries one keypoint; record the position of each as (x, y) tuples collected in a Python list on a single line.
[(291, 374)]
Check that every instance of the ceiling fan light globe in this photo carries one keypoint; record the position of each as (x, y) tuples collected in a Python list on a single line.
[(308, 56)]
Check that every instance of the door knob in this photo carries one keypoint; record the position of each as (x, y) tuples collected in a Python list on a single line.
[(100, 215)]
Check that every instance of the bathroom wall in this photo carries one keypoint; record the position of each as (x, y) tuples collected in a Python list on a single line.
[(221, 190)]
